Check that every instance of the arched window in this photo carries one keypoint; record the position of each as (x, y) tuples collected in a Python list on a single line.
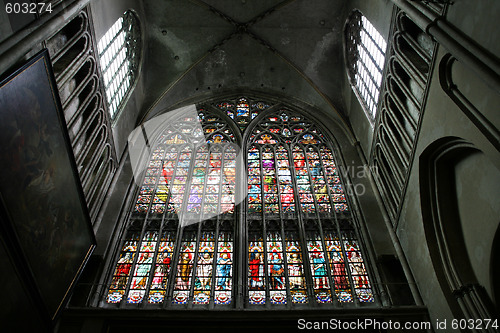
[(119, 59), (365, 49), (212, 227), (301, 240)]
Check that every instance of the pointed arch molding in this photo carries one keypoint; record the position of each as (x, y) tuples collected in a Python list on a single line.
[(330, 121), (443, 230)]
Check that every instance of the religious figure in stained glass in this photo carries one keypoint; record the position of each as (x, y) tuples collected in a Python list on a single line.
[(277, 271), (123, 270), (184, 271), (319, 271), (224, 271), (295, 271), (204, 270), (256, 270), (141, 271)]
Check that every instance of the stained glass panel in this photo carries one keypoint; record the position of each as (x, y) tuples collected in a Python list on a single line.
[(291, 170), (302, 246), (224, 268), (256, 268), (276, 269)]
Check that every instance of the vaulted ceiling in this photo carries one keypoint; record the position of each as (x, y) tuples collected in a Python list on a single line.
[(289, 48)]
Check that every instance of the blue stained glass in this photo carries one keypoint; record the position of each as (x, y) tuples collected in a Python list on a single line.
[(253, 155), (254, 189), (254, 198), (365, 295), (304, 188), (323, 296), (344, 296), (311, 169)]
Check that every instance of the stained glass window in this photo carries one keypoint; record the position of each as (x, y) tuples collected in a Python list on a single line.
[(179, 246), (242, 110), (298, 242), (294, 183), (366, 56)]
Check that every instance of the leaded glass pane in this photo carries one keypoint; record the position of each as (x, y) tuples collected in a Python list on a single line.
[(292, 172), (301, 246)]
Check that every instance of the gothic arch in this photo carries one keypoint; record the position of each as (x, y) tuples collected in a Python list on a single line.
[(447, 229), (190, 240)]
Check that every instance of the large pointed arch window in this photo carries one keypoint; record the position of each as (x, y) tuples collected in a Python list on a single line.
[(302, 243), (190, 177), (220, 221)]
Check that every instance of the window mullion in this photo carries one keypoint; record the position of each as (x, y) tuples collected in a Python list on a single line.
[(306, 265)]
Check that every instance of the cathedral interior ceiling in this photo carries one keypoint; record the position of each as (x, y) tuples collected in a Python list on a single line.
[(195, 49)]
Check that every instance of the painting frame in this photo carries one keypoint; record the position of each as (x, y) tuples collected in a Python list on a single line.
[(47, 220)]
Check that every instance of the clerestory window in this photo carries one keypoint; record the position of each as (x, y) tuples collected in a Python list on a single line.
[(241, 203), (119, 59), (365, 49)]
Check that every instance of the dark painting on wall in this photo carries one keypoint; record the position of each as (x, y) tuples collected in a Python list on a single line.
[(48, 222)]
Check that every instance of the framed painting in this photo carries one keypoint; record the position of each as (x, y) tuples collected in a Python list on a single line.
[(48, 224)]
